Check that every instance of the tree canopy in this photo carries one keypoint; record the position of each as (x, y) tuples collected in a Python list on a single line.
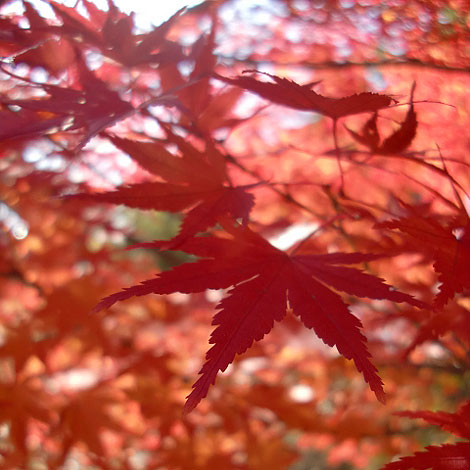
[(238, 239)]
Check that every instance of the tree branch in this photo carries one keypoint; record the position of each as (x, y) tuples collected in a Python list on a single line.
[(408, 62)]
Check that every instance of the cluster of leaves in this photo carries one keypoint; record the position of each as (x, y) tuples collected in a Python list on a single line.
[(97, 117)]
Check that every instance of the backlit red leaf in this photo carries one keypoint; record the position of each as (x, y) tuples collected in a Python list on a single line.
[(289, 93), (263, 278), (112, 33), (209, 204), (91, 108), (447, 245), (395, 143), (457, 423), (194, 167), (445, 457)]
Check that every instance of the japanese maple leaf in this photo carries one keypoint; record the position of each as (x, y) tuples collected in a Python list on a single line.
[(40, 47), (289, 93), (264, 281), (20, 403), (197, 96), (457, 423), (25, 124), (445, 457), (196, 179), (35, 46), (455, 319), (91, 108), (448, 245), (395, 143), (112, 33)]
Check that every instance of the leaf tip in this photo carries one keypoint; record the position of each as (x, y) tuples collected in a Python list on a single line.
[(381, 396)]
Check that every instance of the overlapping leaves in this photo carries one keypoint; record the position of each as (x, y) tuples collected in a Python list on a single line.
[(196, 179), (264, 282), (397, 142), (446, 244), (89, 108), (112, 33)]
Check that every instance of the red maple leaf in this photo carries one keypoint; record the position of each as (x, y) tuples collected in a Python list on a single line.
[(35, 46), (196, 180), (264, 282), (369, 135), (25, 124), (289, 93), (196, 97), (111, 32), (447, 245), (91, 108), (455, 319), (457, 423), (445, 457), (395, 143)]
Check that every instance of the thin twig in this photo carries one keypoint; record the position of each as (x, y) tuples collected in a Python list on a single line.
[(408, 62)]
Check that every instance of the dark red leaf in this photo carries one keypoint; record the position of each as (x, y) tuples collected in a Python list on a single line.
[(457, 423), (263, 278), (192, 167), (288, 93), (404, 135), (91, 109), (399, 141), (369, 135), (26, 124), (445, 457)]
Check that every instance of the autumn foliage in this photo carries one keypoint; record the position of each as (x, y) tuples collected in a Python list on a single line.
[(237, 240)]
